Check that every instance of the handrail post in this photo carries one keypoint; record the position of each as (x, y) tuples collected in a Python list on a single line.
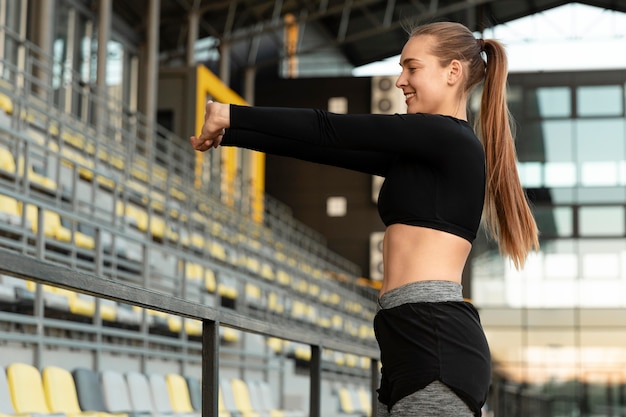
[(210, 368), (315, 381)]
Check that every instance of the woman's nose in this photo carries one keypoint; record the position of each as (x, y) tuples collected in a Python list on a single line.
[(400, 81)]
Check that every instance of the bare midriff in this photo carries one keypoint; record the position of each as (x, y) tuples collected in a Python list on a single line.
[(414, 253)]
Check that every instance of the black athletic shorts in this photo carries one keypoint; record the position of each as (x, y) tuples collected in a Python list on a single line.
[(429, 341)]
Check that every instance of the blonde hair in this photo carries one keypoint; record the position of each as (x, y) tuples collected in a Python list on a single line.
[(507, 215)]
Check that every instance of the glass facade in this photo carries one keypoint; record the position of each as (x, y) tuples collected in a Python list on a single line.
[(557, 328)]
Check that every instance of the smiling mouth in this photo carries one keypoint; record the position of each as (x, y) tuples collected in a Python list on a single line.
[(408, 97)]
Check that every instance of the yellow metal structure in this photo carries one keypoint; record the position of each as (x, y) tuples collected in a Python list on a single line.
[(210, 87)]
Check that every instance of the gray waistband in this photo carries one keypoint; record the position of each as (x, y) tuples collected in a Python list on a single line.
[(422, 291)]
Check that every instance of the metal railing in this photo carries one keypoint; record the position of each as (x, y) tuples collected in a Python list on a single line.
[(21, 266)]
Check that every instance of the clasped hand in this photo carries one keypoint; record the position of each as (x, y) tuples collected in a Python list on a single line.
[(216, 120)]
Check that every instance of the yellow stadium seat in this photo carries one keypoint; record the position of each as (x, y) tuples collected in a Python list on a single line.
[(346, 405), (216, 250), (72, 157), (302, 353), (283, 278), (7, 162), (253, 294), (79, 305), (210, 283), (6, 103), (60, 392), (37, 178), (134, 215), (51, 222), (242, 398), (267, 271), (276, 344), (275, 304), (229, 335), (192, 239), (26, 388), (365, 398), (179, 394), (221, 407), (10, 210), (192, 327)]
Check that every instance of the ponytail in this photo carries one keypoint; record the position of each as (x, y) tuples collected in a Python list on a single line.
[(507, 215)]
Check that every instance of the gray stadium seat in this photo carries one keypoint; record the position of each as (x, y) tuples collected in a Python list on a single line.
[(8, 297), (229, 398), (89, 390), (140, 395), (263, 391), (117, 396), (195, 392)]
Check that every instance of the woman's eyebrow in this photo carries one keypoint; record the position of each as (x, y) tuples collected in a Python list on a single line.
[(406, 61)]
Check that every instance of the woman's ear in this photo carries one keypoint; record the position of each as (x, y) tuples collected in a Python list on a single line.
[(455, 71)]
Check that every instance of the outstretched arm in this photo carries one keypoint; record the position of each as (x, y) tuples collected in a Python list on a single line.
[(217, 131)]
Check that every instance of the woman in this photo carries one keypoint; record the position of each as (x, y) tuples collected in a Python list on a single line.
[(438, 178)]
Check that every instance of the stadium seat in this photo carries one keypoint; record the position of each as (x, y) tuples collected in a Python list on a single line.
[(243, 400), (6, 404), (71, 157), (210, 283), (347, 403), (140, 394), (259, 404), (8, 296), (117, 395), (275, 303), (230, 401), (161, 398), (37, 177), (10, 211), (365, 398), (89, 391), (179, 395), (265, 395), (6, 103), (195, 396), (27, 391), (24, 295), (7, 163), (195, 392), (60, 391), (52, 224), (80, 305), (254, 296)]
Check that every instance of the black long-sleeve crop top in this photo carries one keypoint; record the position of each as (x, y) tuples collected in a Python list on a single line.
[(434, 165)]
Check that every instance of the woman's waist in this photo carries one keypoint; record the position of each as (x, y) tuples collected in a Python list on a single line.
[(434, 291)]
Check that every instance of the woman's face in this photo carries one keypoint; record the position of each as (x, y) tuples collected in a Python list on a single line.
[(423, 80)]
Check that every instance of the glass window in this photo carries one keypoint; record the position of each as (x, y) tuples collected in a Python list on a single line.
[(530, 174), (600, 140), (601, 221), (594, 174), (549, 102), (560, 174), (605, 100), (561, 266), (600, 265), (554, 221), (558, 140)]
